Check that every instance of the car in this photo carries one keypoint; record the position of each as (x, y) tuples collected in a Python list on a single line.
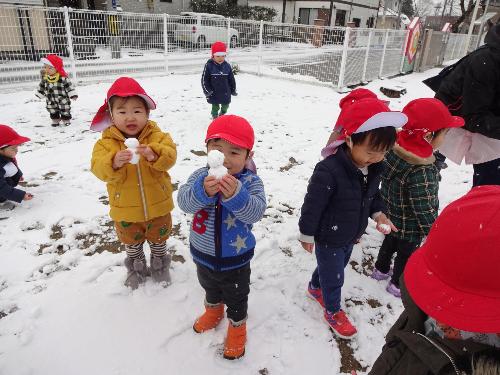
[(202, 29)]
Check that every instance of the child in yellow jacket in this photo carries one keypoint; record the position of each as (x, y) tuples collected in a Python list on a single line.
[(139, 187)]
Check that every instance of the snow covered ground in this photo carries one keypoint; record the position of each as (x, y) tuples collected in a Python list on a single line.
[(63, 306)]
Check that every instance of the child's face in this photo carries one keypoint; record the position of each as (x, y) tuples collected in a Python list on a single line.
[(363, 154), (129, 115), (438, 138), (9, 151), (219, 59), (49, 70), (234, 157)]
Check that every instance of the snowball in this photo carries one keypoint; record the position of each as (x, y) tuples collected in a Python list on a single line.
[(215, 163), (132, 144), (386, 228)]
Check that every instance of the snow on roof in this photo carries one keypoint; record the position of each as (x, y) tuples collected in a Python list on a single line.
[(392, 13)]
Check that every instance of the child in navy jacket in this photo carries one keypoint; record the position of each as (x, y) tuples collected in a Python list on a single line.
[(221, 239), (10, 174), (218, 81), (342, 193)]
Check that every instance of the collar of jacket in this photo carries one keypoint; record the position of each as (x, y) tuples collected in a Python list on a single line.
[(4, 160), (373, 169), (114, 133), (411, 158)]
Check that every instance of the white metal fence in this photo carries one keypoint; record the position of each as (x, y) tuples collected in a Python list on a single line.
[(98, 45)]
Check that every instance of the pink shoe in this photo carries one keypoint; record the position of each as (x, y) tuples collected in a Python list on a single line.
[(315, 293), (340, 324), (394, 290), (378, 275)]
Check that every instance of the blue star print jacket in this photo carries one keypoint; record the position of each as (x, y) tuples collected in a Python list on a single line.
[(221, 232)]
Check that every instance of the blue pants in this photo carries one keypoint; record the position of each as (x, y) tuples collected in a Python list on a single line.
[(329, 275)]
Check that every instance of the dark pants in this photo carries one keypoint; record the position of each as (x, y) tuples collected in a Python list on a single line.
[(329, 275), (403, 250), (487, 173), (229, 287)]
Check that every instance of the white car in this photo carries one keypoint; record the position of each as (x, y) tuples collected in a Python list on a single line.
[(204, 29)]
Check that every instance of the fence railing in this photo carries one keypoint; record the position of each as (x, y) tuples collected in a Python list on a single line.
[(97, 44)]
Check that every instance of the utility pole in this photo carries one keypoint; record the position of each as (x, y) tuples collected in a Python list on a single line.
[(284, 11), (471, 25), (451, 7), (331, 14)]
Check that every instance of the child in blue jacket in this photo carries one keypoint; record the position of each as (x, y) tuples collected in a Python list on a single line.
[(343, 193), (218, 81), (221, 239), (10, 174)]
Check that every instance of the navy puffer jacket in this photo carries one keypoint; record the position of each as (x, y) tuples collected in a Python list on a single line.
[(218, 82)]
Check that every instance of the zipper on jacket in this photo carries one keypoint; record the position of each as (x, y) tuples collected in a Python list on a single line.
[(217, 230), (442, 351), (141, 188)]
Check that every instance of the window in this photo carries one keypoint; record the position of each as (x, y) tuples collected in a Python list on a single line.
[(304, 16), (357, 21), (369, 22), (340, 17), (165, 1)]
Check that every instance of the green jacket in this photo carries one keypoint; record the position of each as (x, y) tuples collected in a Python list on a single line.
[(410, 191)]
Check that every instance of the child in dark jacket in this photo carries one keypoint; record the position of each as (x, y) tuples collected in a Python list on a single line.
[(343, 193), (221, 239), (451, 295), (218, 81), (10, 174), (410, 185), (57, 90)]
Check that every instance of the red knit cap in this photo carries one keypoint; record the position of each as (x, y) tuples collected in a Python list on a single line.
[(425, 115), (233, 129), (453, 277), (123, 87), (9, 137), (219, 49), (55, 62)]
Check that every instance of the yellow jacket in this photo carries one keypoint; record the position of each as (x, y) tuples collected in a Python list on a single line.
[(137, 192)]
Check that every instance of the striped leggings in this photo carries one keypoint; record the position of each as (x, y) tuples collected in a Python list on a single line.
[(136, 251)]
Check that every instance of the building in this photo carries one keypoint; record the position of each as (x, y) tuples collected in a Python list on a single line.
[(361, 12)]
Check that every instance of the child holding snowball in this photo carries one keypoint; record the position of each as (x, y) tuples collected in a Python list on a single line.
[(140, 194), (410, 185), (343, 193), (225, 206)]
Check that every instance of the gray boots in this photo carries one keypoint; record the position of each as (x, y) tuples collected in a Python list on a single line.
[(137, 270), (160, 268)]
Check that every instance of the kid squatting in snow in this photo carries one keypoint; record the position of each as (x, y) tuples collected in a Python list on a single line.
[(410, 185), (217, 80), (221, 239), (57, 90), (140, 195), (10, 174), (342, 194)]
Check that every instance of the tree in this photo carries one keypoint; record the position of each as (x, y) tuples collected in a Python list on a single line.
[(465, 12), (423, 8), (407, 8), (229, 8)]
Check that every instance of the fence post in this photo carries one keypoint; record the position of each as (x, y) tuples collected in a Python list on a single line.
[(259, 67), (228, 33), (165, 41), (69, 37), (403, 51), (370, 36), (383, 53), (344, 57)]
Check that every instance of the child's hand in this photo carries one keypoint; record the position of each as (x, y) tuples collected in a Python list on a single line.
[(309, 247), (146, 151), (228, 186), (211, 185), (384, 225), (121, 158), (28, 197)]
